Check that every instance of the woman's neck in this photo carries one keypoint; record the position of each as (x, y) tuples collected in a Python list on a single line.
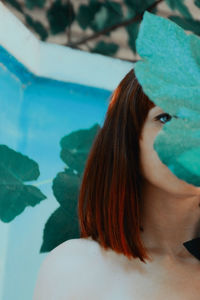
[(168, 221)]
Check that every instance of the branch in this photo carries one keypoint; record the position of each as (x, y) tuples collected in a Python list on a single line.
[(113, 27)]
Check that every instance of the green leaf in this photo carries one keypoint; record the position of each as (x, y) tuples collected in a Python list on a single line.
[(171, 4), (99, 15), (197, 3), (154, 10), (15, 4), (138, 7), (60, 227), (115, 8), (37, 26), (134, 5), (86, 13), (15, 196), (130, 13), (110, 14), (100, 19), (60, 16), (187, 24), (180, 6), (63, 224), (65, 188), (30, 4), (105, 48), (132, 30), (83, 16), (76, 146), (169, 73)]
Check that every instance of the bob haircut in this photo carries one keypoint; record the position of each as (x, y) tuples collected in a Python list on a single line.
[(109, 203)]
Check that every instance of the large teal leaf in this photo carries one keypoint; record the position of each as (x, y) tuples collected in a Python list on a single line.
[(169, 73), (15, 196)]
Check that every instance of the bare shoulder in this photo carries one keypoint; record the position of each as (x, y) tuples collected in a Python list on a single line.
[(73, 250), (63, 266), (72, 247), (80, 249)]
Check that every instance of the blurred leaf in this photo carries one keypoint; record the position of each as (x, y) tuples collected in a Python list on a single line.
[(110, 14), (133, 30), (30, 4), (15, 4), (134, 4), (187, 24), (60, 227), (105, 48), (83, 16), (75, 147), (14, 195), (86, 13), (197, 3), (171, 4), (37, 26), (180, 6), (115, 8), (130, 13), (136, 7), (100, 19), (60, 16)]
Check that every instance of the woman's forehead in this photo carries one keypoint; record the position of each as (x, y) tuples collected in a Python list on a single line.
[(156, 109)]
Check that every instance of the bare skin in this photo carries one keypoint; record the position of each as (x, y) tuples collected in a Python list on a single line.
[(81, 269)]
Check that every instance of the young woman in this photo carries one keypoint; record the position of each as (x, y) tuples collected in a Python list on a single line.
[(134, 215)]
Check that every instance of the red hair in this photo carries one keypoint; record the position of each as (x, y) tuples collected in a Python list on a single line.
[(109, 198)]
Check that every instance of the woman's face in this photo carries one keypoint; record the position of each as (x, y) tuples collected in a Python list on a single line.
[(153, 170)]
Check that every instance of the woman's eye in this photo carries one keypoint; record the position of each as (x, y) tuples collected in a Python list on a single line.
[(163, 118)]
